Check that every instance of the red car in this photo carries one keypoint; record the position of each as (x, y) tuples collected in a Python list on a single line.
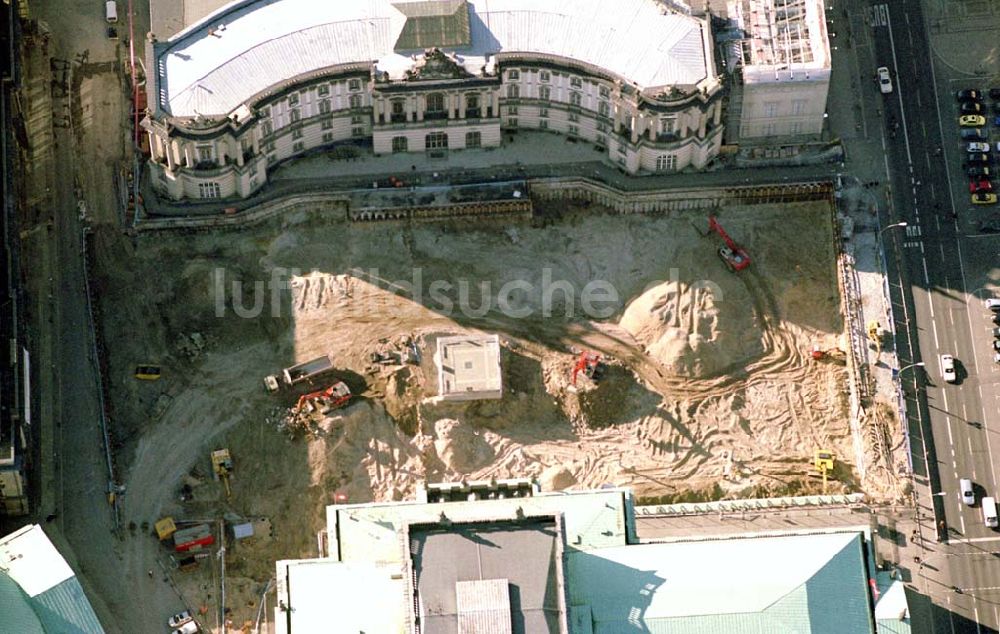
[(980, 185)]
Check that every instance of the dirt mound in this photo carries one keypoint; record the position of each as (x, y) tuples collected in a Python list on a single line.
[(556, 478), (691, 329), (461, 448)]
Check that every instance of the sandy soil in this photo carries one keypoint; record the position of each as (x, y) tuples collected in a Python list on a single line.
[(709, 391)]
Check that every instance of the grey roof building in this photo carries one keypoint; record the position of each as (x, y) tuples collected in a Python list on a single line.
[(569, 562)]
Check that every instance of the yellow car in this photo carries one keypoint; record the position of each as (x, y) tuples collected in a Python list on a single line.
[(972, 121), (984, 198)]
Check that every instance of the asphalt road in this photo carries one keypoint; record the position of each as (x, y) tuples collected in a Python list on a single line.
[(944, 267)]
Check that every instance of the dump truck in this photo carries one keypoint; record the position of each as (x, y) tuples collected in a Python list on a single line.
[(296, 375)]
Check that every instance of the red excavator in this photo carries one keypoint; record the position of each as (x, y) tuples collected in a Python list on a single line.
[(337, 395), (735, 256), (590, 364)]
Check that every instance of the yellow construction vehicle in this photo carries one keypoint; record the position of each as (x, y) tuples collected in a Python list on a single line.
[(222, 467), (823, 460), (165, 528), (875, 336)]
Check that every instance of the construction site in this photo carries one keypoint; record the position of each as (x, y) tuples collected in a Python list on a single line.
[(260, 374)]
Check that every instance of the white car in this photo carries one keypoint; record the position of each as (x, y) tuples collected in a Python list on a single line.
[(993, 304), (968, 495), (188, 628), (179, 619), (884, 81), (977, 146), (948, 368)]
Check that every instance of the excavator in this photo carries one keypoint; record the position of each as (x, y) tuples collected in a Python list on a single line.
[(590, 364), (337, 395), (734, 256)]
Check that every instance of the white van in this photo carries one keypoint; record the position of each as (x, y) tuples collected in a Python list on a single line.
[(990, 512), (111, 11)]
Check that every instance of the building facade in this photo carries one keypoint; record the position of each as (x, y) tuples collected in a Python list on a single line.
[(783, 62), (256, 83)]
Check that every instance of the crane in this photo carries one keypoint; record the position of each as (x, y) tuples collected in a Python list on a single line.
[(735, 256)]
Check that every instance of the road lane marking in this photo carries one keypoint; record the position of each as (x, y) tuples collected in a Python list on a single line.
[(899, 89), (927, 278)]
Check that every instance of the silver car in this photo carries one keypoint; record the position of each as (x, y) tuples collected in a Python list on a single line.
[(968, 495)]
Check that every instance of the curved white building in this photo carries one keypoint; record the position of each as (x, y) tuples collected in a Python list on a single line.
[(257, 82)]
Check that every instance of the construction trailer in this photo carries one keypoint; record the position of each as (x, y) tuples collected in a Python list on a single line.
[(194, 538)]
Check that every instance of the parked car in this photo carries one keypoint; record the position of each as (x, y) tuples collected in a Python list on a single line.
[(994, 93), (113, 35), (996, 332), (975, 134), (981, 184), (884, 81), (971, 107), (180, 619), (948, 368), (978, 170), (996, 345), (972, 121), (996, 357), (977, 146), (968, 494), (989, 225), (969, 94), (984, 198), (978, 158), (993, 304)]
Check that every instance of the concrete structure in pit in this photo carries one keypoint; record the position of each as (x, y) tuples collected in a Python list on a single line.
[(255, 83), (468, 367)]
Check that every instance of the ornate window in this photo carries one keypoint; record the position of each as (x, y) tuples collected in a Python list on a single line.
[(208, 190), (324, 106), (435, 106), (473, 139), (354, 84), (604, 92), (604, 109), (513, 75), (666, 163), (294, 115), (543, 75), (354, 101), (436, 140), (293, 99), (323, 90), (544, 93), (399, 144), (513, 91), (575, 82), (574, 98)]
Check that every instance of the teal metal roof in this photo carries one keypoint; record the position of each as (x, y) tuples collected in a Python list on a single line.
[(64, 609), (17, 614), (807, 584)]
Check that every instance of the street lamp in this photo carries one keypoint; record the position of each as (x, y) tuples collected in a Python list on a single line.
[(912, 365), (892, 226)]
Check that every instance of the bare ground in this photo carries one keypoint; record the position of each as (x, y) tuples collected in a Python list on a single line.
[(709, 393)]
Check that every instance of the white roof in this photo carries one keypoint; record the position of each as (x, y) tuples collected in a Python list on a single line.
[(32, 561), (255, 44), (358, 597)]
